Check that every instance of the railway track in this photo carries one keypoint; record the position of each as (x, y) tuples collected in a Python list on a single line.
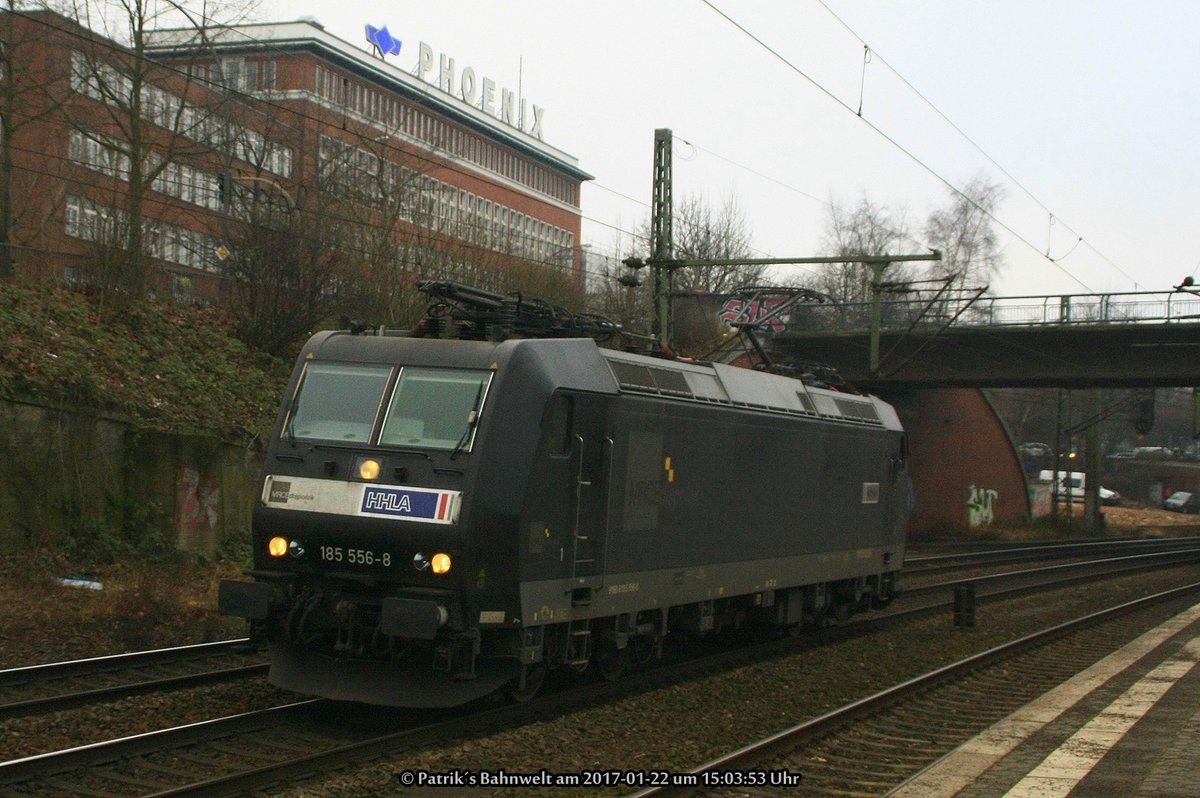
[(254, 750), (874, 744), (65, 685), (919, 566), (1004, 582)]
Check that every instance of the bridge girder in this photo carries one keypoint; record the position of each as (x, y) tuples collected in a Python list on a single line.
[(1061, 356)]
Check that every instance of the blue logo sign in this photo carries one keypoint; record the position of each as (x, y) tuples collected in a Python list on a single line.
[(406, 503), (385, 43)]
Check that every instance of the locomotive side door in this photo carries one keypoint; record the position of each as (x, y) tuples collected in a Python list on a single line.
[(899, 497), (592, 463)]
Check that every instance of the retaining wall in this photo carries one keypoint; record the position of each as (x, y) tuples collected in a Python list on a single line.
[(76, 479)]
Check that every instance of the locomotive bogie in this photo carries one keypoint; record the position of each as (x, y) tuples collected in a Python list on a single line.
[(580, 505)]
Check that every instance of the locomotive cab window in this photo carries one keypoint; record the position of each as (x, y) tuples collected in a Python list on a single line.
[(435, 409), (337, 402)]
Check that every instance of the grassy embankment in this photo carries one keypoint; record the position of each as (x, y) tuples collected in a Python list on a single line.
[(160, 366)]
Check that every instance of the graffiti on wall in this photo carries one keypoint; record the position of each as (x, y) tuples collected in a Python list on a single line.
[(979, 505), (198, 500)]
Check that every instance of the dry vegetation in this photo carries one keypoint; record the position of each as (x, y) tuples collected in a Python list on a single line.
[(1146, 519), (140, 606)]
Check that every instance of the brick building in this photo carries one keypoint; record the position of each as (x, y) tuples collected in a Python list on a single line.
[(216, 134)]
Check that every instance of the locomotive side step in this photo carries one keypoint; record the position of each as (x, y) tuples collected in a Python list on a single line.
[(579, 644)]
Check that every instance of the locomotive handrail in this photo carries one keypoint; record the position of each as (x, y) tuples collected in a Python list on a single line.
[(575, 536), (607, 509)]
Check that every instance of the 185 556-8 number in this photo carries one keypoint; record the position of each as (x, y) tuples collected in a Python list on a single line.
[(338, 554)]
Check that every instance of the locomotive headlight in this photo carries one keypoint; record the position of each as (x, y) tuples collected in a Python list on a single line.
[(438, 563), (277, 547), (368, 469), (296, 548)]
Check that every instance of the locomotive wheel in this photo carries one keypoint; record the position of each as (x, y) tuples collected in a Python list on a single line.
[(641, 650), (534, 676), (610, 662)]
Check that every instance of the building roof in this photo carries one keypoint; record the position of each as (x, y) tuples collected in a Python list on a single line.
[(307, 35)]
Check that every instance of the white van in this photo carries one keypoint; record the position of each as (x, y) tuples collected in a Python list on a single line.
[(1072, 483)]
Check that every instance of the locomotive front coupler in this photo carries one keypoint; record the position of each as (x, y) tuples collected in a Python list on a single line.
[(455, 654)]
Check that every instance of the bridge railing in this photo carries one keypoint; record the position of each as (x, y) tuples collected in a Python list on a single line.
[(1134, 307)]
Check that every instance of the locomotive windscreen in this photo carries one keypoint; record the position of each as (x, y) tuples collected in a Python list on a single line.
[(337, 402), (433, 408), (430, 408)]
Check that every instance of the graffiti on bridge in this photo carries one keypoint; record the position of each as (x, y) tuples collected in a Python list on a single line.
[(979, 505)]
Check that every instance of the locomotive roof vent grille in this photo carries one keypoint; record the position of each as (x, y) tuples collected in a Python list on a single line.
[(671, 383), (633, 376), (862, 411), (694, 385), (636, 377), (706, 387)]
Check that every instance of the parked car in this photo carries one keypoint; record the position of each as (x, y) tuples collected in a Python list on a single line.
[(1181, 501), (1072, 484)]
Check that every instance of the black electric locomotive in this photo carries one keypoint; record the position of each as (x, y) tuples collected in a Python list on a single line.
[(440, 519)]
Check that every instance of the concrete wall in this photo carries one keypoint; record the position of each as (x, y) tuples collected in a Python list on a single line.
[(78, 480), (1149, 481), (963, 464)]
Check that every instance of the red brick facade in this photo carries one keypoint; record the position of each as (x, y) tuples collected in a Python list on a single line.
[(287, 112)]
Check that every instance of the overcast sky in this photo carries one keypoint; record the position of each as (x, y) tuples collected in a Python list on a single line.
[(1086, 111)]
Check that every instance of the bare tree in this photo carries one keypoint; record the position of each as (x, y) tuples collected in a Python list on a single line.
[(864, 229), (377, 190), (702, 233), (699, 232), (375, 222), (294, 259), (146, 115), (411, 225), (964, 234), (286, 271)]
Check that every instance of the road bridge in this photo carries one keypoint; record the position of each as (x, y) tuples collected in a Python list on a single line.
[(1129, 340), (935, 357)]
